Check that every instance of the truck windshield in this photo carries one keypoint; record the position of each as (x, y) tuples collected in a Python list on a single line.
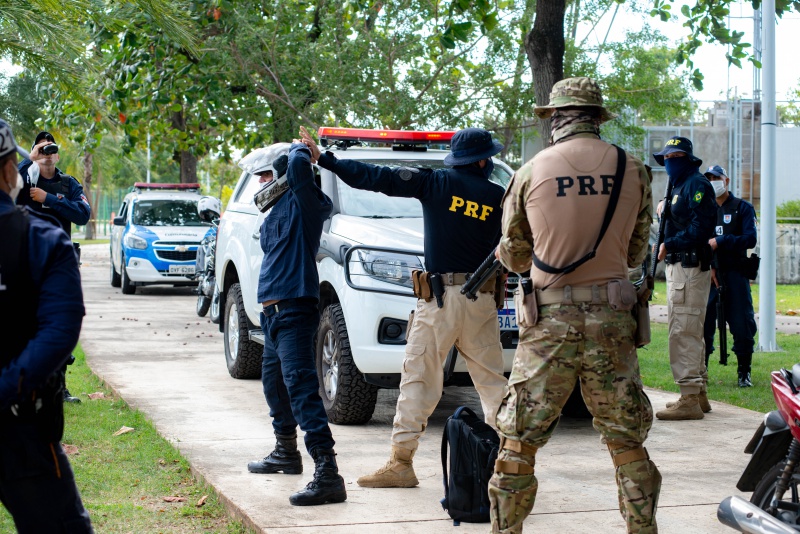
[(362, 203), (166, 213)]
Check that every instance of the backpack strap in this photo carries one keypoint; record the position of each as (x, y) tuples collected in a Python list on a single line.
[(612, 207), (65, 178)]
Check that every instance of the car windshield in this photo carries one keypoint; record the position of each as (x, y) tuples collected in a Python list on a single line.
[(377, 205), (166, 213)]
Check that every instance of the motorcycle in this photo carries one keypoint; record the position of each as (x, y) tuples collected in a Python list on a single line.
[(207, 296), (773, 473)]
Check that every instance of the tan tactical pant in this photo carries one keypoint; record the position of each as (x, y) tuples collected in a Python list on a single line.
[(687, 296), (474, 329), (592, 343)]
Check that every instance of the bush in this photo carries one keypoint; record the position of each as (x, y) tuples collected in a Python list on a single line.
[(790, 209)]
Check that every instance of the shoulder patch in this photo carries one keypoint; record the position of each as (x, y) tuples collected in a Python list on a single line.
[(698, 196), (405, 173)]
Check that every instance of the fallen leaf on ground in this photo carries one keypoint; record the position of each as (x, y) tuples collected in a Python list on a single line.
[(202, 501), (97, 395), (791, 312), (174, 499), (70, 449), (123, 430)]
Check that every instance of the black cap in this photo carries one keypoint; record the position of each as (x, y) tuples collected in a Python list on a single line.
[(7, 143), (43, 136), (677, 144), (470, 145)]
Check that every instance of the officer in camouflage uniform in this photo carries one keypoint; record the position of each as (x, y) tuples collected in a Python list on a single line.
[(579, 328)]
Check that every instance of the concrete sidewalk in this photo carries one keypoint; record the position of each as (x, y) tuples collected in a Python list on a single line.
[(169, 363)]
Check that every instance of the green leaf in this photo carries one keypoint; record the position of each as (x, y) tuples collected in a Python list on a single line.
[(447, 42), (175, 108)]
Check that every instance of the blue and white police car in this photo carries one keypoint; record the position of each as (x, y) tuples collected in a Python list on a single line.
[(155, 236)]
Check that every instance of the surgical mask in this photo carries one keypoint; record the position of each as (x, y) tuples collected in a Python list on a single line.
[(488, 168), (14, 193), (719, 187), (679, 167)]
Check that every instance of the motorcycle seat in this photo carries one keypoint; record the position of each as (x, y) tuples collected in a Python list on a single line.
[(796, 375)]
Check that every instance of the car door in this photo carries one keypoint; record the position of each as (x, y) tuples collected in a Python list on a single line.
[(116, 237)]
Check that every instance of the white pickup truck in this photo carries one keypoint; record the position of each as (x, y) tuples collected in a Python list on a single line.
[(369, 246)]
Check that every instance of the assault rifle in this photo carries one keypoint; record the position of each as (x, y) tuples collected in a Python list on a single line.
[(723, 331), (486, 270), (662, 222)]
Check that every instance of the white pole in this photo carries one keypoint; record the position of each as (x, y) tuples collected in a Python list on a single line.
[(148, 156), (769, 121)]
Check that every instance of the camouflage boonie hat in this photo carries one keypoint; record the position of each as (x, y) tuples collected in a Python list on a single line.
[(574, 92)]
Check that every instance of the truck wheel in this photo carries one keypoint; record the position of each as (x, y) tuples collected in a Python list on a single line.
[(116, 280), (347, 398), (242, 356), (127, 286)]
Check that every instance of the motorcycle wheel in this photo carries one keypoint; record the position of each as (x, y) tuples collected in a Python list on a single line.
[(203, 304), (762, 496)]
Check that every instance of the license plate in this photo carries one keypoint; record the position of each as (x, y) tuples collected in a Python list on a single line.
[(507, 319), (181, 269)]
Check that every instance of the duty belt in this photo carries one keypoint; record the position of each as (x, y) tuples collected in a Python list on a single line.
[(458, 279), (572, 295), (679, 257), (272, 309)]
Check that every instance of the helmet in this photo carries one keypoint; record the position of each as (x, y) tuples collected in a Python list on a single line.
[(263, 159), (208, 208), (271, 192), (574, 92)]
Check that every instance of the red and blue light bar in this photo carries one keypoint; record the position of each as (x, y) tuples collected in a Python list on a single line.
[(384, 136)]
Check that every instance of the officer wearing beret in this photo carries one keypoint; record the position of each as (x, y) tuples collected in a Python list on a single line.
[(691, 213), (39, 280), (734, 234), (461, 217)]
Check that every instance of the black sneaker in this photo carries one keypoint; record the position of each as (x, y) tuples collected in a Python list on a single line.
[(69, 398), (744, 380)]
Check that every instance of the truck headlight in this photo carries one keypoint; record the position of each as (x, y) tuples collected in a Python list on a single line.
[(391, 268), (134, 241)]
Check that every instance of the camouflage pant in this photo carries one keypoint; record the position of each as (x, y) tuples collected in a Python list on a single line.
[(595, 344)]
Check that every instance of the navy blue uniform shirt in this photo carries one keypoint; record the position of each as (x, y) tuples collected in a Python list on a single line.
[(461, 208), (290, 234), (69, 207), (692, 214), (54, 271), (736, 236)]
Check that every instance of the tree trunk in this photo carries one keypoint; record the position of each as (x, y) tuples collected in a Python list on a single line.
[(186, 159), (545, 48), (87, 190)]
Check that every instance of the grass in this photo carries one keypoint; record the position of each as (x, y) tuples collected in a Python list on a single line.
[(92, 241), (787, 297), (123, 480), (722, 380)]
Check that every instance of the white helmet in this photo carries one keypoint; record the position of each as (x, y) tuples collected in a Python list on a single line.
[(209, 208), (272, 158), (263, 159)]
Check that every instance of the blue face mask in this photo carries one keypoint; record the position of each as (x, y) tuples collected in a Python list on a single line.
[(677, 168), (488, 168)]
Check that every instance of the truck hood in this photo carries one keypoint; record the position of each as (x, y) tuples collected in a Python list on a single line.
[(172, 233), (391, 233)]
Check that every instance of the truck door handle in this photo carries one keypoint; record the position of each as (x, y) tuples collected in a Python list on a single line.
[(256, 235)]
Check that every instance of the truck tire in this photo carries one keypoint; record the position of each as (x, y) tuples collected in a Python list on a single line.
[(347, 398), (116, 279), (242, 356), (127, 286)]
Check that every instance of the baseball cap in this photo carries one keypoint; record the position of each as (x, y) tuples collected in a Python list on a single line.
[(7, 143), (43, 136), (677, 144), (716, 170)]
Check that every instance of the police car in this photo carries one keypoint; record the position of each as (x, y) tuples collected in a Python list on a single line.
[(156, 235), (369, 246)]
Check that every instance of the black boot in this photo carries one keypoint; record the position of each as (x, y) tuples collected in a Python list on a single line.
[(285, 458), (745, 361), (327, 486), (69, 398)]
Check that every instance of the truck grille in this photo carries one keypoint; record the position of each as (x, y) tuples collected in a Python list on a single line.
[(174, 255)]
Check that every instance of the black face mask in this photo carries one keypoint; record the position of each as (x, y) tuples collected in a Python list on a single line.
[(488, 168), (677, 168)]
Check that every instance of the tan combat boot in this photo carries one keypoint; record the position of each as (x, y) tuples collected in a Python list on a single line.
[(687, 407), (702, 399), (397, 473)]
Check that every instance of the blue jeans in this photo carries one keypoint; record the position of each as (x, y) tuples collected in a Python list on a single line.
[(289, 374), (738, 314)]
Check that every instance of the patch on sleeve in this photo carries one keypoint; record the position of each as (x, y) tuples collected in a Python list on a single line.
[(405, 173), (698, 196), (85, 200)]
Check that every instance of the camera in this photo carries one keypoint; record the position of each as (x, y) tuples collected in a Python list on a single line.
[(49, 149)]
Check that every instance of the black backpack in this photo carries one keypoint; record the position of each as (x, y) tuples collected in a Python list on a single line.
[(473, 450)]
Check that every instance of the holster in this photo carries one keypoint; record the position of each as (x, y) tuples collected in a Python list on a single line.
[(526, 304), (422, 285), (500, 290), (641, 313), (46, 409), (621, 295)]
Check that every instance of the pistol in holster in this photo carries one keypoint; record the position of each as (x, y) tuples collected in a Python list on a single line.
[(437, 288)]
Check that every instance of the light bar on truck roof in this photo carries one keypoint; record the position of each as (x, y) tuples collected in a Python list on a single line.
[(384, 136), (163, 187)]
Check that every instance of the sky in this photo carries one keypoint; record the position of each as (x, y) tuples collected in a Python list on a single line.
[(710, 58)]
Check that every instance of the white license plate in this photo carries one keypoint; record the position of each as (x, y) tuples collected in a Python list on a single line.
[(181, 269), (507, 319)]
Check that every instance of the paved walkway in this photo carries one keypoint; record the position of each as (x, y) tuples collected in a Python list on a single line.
[(164, 360)]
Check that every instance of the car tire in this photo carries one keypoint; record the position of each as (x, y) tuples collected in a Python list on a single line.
[(347, 398), (116, 279), (242, 356), (127, 286)]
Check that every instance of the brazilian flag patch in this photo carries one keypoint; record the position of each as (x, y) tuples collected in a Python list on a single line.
[(698, 196)]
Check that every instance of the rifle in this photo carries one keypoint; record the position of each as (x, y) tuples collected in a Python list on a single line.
[(723, 331), (662, 222), (486, 270)]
